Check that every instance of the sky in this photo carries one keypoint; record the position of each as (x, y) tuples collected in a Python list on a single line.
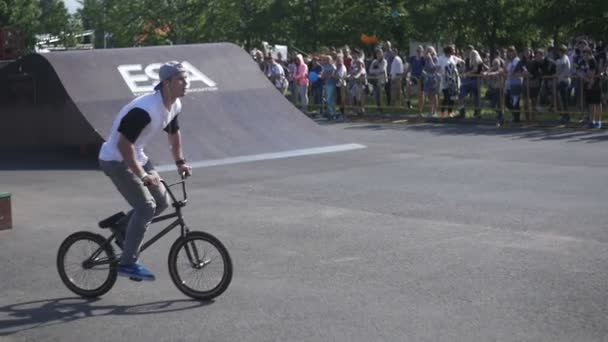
[(72, 5)]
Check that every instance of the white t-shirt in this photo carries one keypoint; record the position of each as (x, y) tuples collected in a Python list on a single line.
[(341, 74), (563, 68), (276, 71), (396, 67), (158, 118)]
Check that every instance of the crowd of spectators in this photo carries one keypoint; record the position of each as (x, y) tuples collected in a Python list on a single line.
[(560, 79)]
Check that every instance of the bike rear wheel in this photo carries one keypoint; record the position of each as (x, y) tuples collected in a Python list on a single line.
[(200, 265), (87, 264)]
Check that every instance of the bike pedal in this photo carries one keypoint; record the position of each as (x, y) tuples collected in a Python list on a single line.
[(135, 279)]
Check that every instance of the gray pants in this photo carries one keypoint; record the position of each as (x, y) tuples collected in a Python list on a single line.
[(302, 97), (147, 202)]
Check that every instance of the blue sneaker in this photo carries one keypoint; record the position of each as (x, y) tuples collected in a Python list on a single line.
[(135, 271)]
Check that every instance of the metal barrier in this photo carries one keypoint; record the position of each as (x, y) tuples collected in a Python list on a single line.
[(546, 95)]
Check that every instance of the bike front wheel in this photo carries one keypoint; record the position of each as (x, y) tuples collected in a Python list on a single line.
[(200, 265), (86, 264)]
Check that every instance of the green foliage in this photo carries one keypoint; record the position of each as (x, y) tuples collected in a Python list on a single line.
[(54, 18), (38, 16), (313, 24), (21, 14)]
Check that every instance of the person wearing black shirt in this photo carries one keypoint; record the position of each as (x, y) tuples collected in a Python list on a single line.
[(528, 67), (474, 68), (543, 71), (591, 89)]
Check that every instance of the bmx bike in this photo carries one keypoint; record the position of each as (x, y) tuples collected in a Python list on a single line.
[(199, 264)]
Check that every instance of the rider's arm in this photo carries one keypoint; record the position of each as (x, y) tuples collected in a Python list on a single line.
[(175, 142), (131, 126), (175, 139), (127, 149)]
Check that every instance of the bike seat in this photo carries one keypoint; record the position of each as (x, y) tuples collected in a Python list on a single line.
[(112, 220)]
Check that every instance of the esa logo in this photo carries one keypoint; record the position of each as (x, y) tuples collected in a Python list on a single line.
[(142, 79)]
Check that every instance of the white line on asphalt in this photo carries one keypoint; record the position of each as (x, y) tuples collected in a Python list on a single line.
[(266, 156), (339, 260)]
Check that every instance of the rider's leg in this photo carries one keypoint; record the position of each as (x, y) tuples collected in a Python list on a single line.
[(161, 198), (160, 194), (142, 201)]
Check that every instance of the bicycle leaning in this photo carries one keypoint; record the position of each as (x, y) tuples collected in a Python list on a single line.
[(199, 264)]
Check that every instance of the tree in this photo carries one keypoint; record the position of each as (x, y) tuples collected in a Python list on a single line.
[(54, 17), (21, 14), (312, 24)]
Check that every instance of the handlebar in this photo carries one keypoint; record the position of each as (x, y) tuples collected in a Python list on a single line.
[(183, 183)]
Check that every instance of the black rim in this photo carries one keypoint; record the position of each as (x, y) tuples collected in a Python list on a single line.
[(79, 272), (200, 266)]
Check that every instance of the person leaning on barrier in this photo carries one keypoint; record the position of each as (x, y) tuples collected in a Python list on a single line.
[(291, 67), (591, 89), (258, 57), (357, 81), (514, 84), (341, 83), (316, 66), (301, 81), (328, 75), (474, 68), (377, 71), (531, 84), (276, 74), (450, 80), (602, 59), (563, 71), (495, 81), (543, 70), (431, 81), (579, 72), (396, 78), (348, 58), (601, 56), (414, 85), (389, 55)]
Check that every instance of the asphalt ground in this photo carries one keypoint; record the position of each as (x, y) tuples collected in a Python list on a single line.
[(434, 232)]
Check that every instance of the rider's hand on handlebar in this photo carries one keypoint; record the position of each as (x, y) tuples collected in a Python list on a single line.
[(151, 179), (184, 170)]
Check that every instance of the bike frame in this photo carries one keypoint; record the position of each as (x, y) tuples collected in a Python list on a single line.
[(177, 204)]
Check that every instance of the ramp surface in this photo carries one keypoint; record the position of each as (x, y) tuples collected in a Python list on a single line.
[(231, 110)]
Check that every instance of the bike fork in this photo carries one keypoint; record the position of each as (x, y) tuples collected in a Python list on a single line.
[(192, 252)]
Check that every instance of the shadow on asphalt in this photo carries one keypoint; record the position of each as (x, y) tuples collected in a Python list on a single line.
[(525, 133), (46, 160), (41, 313)]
